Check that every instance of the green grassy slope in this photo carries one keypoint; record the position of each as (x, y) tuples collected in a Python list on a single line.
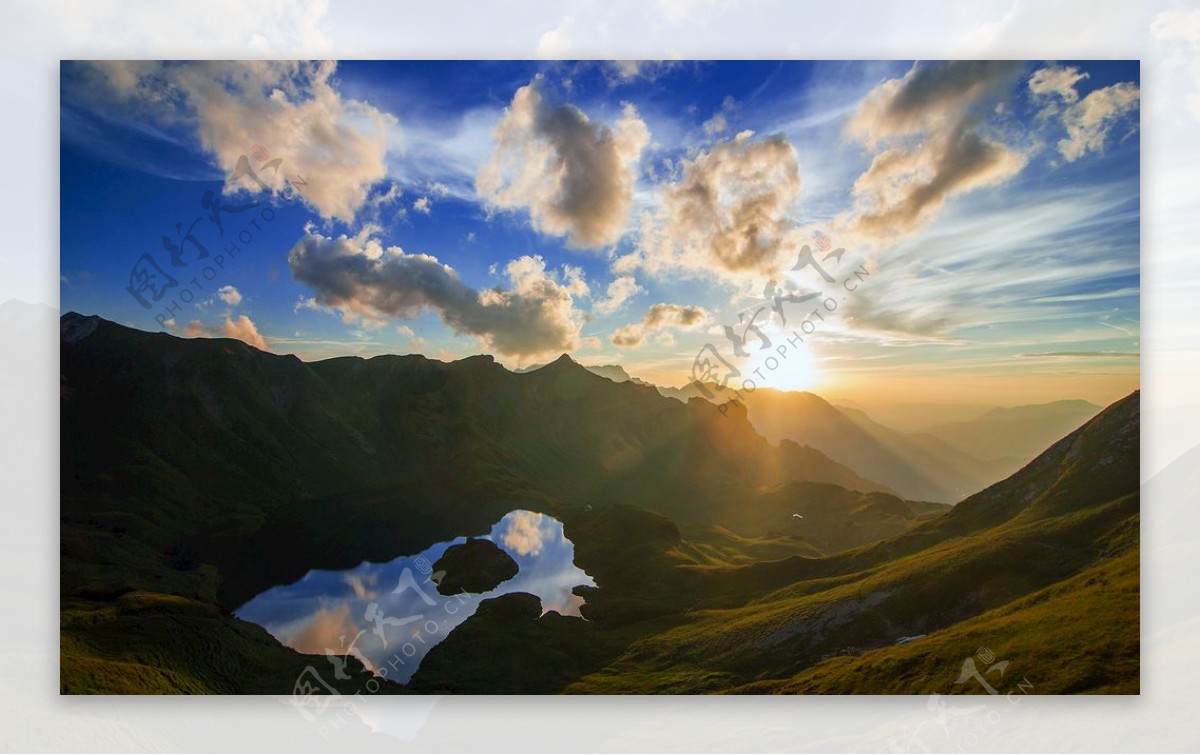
[(1071, 512), (152, 643), (1079, 635)]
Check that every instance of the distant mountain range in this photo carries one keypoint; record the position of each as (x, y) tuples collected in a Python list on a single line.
[(1018, 432), (943, 463)]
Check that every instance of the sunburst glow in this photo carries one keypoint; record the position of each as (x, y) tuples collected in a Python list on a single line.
[(796, 369)]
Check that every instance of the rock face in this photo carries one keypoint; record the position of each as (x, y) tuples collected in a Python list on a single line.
[(475, 566), (514, 607)]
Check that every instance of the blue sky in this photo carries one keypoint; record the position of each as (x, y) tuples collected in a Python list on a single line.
[(626, 213)]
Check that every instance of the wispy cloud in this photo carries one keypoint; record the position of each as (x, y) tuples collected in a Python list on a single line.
[(294, 109), (1089, 121), (1085, 354), (1023, 278)]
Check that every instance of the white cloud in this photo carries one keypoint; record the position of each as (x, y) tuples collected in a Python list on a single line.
[(727, 214), (619, 291), (629, 71), (1089, 121), (575, 176), (554, 43), (1056, 81), (361, 589), (242, 328), (715, 125), (927, 133), (525, 533), (658, 318), (328, 632), (574, 281), (1182, 27), (379, 199), (229, 295), (421, 205), (534, 316), (720, 122), (928, 97), (149, 30), (336, 145)]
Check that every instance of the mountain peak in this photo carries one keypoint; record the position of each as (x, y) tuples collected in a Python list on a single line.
[(478, 359), (75, 327), (561, 365), (480, 365)]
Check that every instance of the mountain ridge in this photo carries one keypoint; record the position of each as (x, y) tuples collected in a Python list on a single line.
[(294, 433)]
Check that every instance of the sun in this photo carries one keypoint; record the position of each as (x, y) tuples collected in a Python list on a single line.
[(793, 369)]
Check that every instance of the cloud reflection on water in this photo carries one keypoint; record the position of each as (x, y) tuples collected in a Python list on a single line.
[(369, 612)]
